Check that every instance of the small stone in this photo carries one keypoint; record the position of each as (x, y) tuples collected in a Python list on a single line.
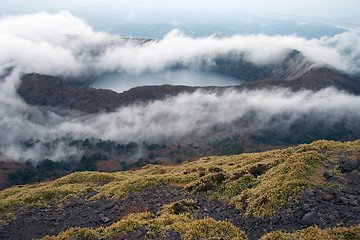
[(215, 169), (310, 218), (343, 181), (327, 197), (209, 192), (171, 234), (220, 177), (258, 170), (91, 194), (353, 200), (332, 217), (333, 179), (344, 200), (110, 205), (139, 234), (207, 186), (103, 218), (352, 197), (51, 231), (309, 193), (328, 175)]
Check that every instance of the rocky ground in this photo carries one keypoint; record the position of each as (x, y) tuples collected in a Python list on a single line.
[(323, 206)]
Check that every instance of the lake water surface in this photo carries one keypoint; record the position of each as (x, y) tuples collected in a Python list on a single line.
[(122, 82)]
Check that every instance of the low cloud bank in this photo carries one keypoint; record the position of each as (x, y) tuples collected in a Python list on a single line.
[(62, 44), (172, 118)]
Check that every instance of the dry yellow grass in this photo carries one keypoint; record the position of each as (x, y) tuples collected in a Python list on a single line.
[(188, 227), (315, 233), (288, 171)]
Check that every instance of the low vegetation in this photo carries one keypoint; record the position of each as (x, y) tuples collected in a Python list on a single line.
[(281, 174), (257, 184), (168, 219), (315, 233)]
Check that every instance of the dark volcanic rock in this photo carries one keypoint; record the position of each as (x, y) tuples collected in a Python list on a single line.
[(310, 218), (215, 169), (142, 233), (327, 197), (312, 208), (139, 234), (220, 177), (257, 170), (328, 175), (179, 208), (207, 186), (348, 165)]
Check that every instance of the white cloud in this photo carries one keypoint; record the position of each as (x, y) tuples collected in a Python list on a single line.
[(62, 44), (172, 118)]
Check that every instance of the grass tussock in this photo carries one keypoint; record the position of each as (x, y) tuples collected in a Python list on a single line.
[(256, 183), (183, 223), (315, 233)]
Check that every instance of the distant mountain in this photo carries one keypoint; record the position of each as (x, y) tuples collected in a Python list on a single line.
[(44, 90), (293, 65), (315, 79)]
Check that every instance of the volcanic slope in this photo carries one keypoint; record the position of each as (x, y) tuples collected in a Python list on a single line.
[(44, 90), (278, 194)]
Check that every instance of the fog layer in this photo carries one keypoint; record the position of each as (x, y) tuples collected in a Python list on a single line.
[(62, 44), (172, 118)]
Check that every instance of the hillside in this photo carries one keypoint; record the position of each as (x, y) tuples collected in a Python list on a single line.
[(293, 65), (245, 196), (315, 79), (44, 90), (56, 94)]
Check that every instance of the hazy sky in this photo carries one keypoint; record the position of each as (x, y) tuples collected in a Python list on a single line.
[(338, 12)]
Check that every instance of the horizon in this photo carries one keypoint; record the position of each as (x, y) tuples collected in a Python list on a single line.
[(154, 19)]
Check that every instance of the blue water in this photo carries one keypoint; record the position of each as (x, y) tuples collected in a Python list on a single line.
[(122, 82)]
